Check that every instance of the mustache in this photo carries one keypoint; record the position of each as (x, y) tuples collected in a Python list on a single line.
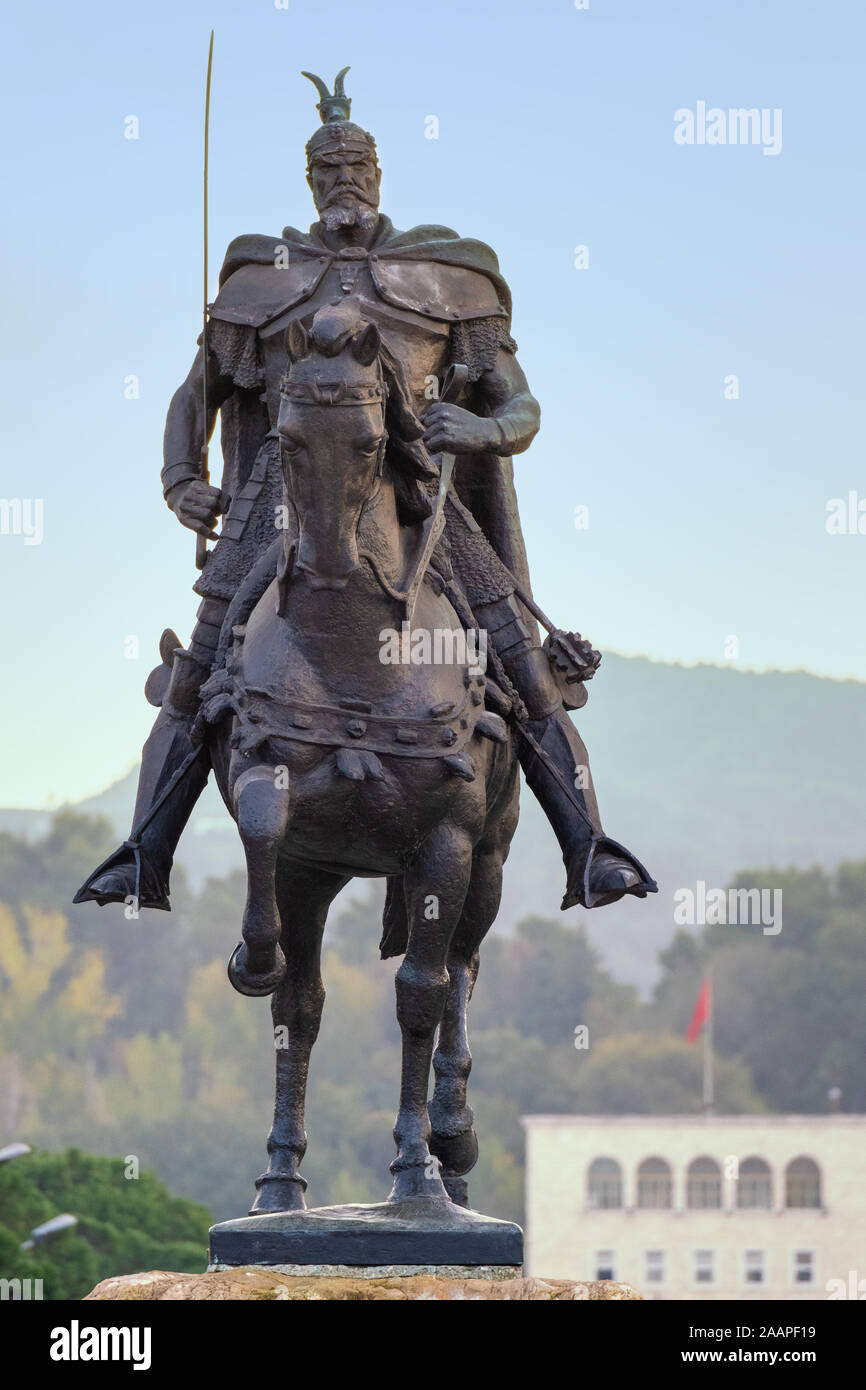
[(348, 190)]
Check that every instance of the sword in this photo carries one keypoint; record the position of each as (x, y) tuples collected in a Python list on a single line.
[(201, 551), (452, 384)]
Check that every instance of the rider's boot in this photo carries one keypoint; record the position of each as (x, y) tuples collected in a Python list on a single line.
[(598, 870), (138, 871)]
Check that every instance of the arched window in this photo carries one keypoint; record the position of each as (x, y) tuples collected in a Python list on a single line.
[(704, 1183), (802, 1183), (605, 1183), (654, 1186), (754, 1184)]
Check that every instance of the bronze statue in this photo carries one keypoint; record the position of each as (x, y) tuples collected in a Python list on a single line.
[(343, 361)]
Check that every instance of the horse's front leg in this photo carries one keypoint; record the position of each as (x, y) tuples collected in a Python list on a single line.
[(453, 1141), (435, 886), (262, 809), (304, 896)]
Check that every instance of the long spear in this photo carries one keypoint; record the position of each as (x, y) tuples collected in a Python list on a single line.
[(201, 540)]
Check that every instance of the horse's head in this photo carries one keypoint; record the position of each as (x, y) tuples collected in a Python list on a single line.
[(332, 430)]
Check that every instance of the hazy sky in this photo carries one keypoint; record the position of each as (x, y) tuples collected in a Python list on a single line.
[(555, 130)]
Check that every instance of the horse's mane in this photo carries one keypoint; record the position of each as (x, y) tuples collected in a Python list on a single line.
[(406, 452)]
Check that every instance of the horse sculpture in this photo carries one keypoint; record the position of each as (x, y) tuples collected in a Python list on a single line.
[(337, 764)]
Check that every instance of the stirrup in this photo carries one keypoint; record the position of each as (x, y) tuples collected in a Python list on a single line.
[(146, 887), (583, 894)]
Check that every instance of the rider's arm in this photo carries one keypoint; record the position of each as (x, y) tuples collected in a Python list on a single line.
[(184, 425), (514, 412), (509, 424)]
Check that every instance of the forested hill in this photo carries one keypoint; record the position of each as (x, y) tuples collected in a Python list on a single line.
[(702, 771)]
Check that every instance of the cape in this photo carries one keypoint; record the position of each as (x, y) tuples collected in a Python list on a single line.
[(430, 270), (466, 283)]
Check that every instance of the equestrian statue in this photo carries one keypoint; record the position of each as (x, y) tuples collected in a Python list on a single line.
[(371, 401)]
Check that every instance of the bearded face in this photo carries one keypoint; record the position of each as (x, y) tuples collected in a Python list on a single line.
[(345, 187)]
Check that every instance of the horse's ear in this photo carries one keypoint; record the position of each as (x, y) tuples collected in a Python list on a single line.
[(366, 344), (297, 340)]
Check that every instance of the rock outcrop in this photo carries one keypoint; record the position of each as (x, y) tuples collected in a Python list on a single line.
[(264, 1283)]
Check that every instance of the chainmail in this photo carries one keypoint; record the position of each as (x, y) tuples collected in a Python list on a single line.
[(235, 346), (475, 342), (460, 604)]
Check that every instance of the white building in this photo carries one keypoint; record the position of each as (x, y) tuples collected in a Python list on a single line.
[(704, 1207)]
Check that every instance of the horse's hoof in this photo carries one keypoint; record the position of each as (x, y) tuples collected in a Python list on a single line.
[(457, 1189), (458, 1153), (276, 1193), (417, 1180), (249, 982)]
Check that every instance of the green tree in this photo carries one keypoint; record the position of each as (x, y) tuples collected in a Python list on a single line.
[(788, 1005), (658, 1074), (125, 1223)]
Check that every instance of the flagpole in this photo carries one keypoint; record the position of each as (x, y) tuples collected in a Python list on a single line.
[(708, 1047)]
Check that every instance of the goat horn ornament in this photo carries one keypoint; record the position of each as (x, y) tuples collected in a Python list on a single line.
[(332, 106)]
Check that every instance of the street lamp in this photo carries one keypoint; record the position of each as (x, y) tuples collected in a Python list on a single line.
[(13, 1151), (49, 1229)]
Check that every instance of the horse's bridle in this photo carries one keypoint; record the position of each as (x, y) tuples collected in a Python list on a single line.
[(317, 392)]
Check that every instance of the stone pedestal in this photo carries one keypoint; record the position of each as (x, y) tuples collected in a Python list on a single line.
[(410, 1236)]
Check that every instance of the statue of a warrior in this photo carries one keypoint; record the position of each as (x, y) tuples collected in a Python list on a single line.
[(437, 299)]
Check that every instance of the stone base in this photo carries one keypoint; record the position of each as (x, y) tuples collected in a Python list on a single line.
[(267, 1284), (419, 1232), (383, 1271)]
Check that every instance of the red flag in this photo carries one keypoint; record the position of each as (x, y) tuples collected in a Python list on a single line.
[(703, 1009)]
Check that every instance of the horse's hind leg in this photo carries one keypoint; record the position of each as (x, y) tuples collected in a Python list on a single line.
[(262, 810), (304, 896), (440, 875)]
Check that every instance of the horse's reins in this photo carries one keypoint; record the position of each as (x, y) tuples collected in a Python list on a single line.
[(455, 379)]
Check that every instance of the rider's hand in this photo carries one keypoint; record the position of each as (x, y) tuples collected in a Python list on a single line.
[(450, 429), (197, 504)]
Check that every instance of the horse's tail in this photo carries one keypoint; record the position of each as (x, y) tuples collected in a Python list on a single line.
[(395, 922)]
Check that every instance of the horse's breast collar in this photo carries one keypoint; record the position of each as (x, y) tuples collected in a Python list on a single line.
[(263, 714), (354, 724)]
